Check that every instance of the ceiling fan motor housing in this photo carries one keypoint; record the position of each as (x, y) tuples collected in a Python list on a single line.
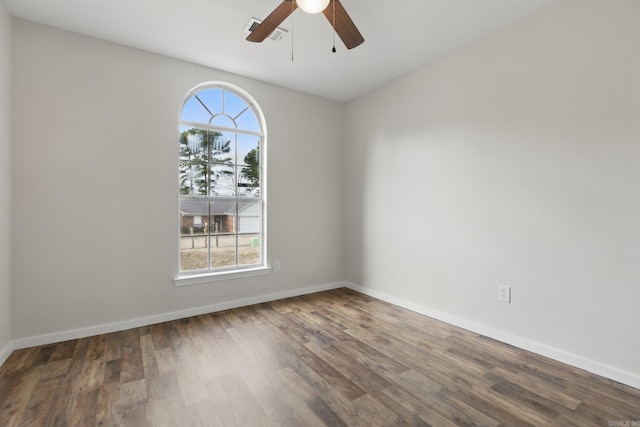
[(313, 6)]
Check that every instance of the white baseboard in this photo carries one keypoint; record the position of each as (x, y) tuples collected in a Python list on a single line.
[(6, 351), (164, 317), (541, 349)]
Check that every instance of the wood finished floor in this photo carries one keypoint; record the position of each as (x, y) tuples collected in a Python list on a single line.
[(334, 358)]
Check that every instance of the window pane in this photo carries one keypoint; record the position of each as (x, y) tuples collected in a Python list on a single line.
[(233, 104), (249, 249), (223, 216), (193, 178), (193, 239), (248, 182), (193, 259), (193, 111), (191, 143), (183, 128), (222, 180), (248, 121), (223, 120), (190, 211), (249, 214), (248, 150), (212, 99), (224, 147), (223, 251)]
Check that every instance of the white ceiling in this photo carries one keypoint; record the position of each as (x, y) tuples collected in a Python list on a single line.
[(399, 35)]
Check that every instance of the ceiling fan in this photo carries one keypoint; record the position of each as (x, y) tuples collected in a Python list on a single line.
[(332, 9)]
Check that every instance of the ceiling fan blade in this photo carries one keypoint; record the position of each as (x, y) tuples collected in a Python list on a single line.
[(344, 26), (272, 21)]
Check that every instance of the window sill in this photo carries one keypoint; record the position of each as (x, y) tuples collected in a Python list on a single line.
[(197, 279)]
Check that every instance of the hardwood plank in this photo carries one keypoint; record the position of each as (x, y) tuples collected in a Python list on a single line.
[(533, 401), (241, 406), (286, 409), (150, 367), (37, 410), (310, 367), (112, 371), (55, 370), (165, 360), (502, 414), (335, 358), (61, 410), (191, 389), (107, 404), (538, 387), (114, 346), (43, 354), (320, 407), (372, 412), (131, 367), (97, 347), (287, 327), (64, 350), (160, 336), (357, 373), (158, 414), (17, 392), (467, 414), (20, 359), (77, 410), (410, 403)]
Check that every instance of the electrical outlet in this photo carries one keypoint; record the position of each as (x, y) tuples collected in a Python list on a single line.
[(276, 266), (504, 293)]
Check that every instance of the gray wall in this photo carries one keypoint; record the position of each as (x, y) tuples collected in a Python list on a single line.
[(514, 160), (95, 185), (5, 182)]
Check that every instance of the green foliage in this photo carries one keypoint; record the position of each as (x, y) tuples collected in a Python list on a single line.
[(200, 151), (252, 171)]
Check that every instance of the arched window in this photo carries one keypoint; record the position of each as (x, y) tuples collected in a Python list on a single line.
[(222, 181)]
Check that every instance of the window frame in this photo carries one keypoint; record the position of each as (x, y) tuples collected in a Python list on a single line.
[(237, 271)]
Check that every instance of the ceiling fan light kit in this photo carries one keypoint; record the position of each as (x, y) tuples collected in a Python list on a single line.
[(313, 6), (332, 10)]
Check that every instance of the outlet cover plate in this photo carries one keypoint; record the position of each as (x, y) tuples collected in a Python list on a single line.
[(504, 293)]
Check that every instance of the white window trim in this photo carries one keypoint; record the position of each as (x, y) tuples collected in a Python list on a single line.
[(185, 278), (198, 279)]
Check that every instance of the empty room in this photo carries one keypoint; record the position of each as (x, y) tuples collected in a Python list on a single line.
[(320, 213)]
